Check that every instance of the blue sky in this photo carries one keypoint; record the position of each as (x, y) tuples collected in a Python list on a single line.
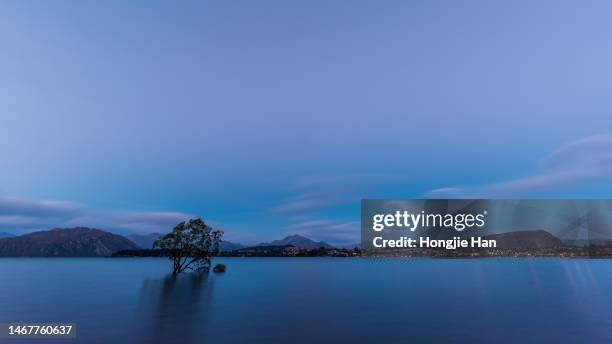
[(270, 118)]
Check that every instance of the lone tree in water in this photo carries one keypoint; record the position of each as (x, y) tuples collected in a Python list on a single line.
[(190, 245)]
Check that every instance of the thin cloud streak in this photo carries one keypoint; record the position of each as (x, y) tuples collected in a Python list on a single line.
[(44, 208), (306, 205), (578, 162), (320, 192), (20, 216), (329, 231)]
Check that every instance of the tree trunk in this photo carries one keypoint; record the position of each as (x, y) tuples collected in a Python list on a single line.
[(177, 266)]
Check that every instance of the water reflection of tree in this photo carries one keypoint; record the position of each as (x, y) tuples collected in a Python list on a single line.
[(174, 309)]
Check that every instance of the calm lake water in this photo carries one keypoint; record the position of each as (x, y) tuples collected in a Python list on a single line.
[(315, 300)]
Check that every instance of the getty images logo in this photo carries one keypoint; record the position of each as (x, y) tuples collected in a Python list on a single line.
[(412, 221)]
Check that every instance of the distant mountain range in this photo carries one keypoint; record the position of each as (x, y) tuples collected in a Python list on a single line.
[(144, 240), (88, 242), (298, 241), (587, 242), (537, 239), (350, 246), (68, 242), (229, 246)]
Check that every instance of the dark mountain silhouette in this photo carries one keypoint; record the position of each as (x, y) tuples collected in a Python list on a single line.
[(144, 240), (586, 242), (536, 239), (350, 246), (68, 242), (298, 241), (229, 246), (6, 235)]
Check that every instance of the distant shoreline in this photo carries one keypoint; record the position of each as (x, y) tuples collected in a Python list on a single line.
[(255, 251), (355, 257)]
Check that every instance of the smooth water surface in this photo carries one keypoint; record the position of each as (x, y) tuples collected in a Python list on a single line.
[(315, 300)]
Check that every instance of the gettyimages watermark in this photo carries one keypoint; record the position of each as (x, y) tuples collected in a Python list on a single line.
[(473, 228)]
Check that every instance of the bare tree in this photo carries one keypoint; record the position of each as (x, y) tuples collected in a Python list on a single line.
[(190, 245)]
